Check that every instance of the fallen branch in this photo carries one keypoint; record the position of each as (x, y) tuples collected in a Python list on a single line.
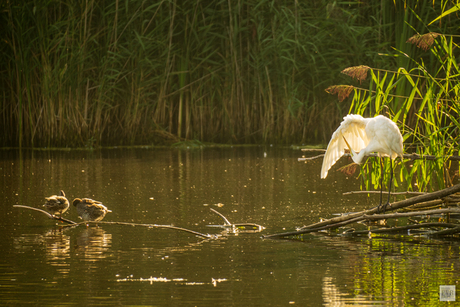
[(378, 192), (74, 224), (51, 216), (425, 205), (406, 214), (359, 216), (144, 225), (446, 232)]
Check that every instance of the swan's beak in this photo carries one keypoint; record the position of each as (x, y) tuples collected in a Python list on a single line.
[(349, 147)]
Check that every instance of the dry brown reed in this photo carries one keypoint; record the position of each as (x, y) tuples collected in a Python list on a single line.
[(342, 91), (424, 41), (357, 72)]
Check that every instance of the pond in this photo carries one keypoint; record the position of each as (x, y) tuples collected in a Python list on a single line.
[(45, 264)]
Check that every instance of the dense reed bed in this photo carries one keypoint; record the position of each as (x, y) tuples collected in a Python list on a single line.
[(422, 97), (91, 73)]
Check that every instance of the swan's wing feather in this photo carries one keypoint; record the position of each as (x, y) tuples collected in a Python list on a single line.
[(353, 129)]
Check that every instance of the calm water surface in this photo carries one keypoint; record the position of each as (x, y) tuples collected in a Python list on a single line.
[(47, 265)]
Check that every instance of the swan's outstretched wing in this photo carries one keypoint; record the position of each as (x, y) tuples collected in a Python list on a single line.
[(352, 128)]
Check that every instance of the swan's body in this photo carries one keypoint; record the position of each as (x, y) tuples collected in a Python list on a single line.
[(364, 136), (90, 210), (57, 204)]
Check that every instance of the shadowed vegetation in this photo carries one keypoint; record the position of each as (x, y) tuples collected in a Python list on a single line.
[(91, 73)]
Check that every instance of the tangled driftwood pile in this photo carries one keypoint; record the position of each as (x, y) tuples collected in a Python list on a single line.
[(443, 203)]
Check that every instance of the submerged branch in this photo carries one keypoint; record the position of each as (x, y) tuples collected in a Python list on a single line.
[(406, 214), (409, 227)]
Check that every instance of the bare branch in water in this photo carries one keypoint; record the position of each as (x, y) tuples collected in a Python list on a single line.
[(51, 216), (336, 222), (145, 225), (237, 227), (226, 221), (378, 192), (74, 224)]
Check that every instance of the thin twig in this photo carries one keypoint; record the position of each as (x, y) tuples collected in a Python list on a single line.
[(412, 156), (237, 226), (310, 158), (313, 149), (378, 192), (226, 221)]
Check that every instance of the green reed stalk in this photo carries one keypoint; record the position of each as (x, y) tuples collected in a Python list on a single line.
[(433, 129), (89, 73)]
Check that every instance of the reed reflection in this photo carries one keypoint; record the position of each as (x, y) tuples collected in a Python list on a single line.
[(385, 269)]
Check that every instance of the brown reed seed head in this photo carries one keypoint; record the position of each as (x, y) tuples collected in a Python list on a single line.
[(424, 41), (342, 91), (357, 72)]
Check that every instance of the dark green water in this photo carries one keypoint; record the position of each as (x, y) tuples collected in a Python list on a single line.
[(45, 265)]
